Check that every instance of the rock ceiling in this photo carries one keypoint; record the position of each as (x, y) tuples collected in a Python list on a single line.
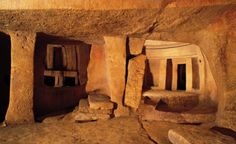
[(90, 22)]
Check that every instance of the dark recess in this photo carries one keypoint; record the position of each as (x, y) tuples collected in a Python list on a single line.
[(5, 70)]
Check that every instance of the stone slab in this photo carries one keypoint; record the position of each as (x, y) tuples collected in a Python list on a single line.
[(197, 135), (179, 100), (133, 91), (84, 108), (149, 112), (80, 117), (115, 56), (98, 101)]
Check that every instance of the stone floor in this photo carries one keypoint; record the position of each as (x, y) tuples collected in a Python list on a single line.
[(126, 130), (114, 131)]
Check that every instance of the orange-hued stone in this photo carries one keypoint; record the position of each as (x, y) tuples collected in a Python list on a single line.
[(21, 98), (134, 85)]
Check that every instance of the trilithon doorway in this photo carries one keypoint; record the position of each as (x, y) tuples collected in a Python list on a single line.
[(5, 70)]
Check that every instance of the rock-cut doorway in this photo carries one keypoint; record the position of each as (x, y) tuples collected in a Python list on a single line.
[(5, 70)]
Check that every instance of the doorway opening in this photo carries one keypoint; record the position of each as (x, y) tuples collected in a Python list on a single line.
[(181, 77), (5, 70)]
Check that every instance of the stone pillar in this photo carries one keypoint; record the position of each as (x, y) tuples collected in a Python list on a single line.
[(174, 75), (162, 74), (21, 90), (133, 91), (202, 72), (115, 55), (189, 74)]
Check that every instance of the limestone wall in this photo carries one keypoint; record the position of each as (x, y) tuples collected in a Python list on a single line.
[(97, 71)]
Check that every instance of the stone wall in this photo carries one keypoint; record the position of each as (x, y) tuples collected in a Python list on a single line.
[(21, 90)]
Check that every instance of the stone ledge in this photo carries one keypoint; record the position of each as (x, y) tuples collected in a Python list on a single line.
[(197, 135)]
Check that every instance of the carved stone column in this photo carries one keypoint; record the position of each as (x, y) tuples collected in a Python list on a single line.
[(21, 90)]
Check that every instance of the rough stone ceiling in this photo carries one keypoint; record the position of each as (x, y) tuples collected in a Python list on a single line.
[(91, 20)]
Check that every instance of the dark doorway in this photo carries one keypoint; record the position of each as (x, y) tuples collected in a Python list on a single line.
[(181, 77), (5, 70), (169, 74)]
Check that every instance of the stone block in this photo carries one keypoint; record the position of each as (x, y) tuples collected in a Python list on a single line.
[(136, 45), (115, 56), (149, 112), (133, 92), (97, 101), (84, 108)]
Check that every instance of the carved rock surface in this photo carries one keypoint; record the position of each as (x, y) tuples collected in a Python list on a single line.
[(102, 102), (136, 45), (197, 135), (148, 112), (115, 55), (22, 69), (133, 91)]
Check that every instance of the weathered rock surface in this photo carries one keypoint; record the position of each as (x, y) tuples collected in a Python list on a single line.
[(96, 107), (158, 131), (115, 131), (115, 55), (84, 107), (175, 100), (149, 112), (22, 69), (136, 45), (84, 117), (197, 135), (97, 101), (54, 119), (210, 24), (97, 79), (134, 85)]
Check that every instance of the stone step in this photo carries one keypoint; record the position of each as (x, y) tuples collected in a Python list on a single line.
[(196, 115), (175, 100), (85, 108), (81, 117), (198, 135), (98, 101)]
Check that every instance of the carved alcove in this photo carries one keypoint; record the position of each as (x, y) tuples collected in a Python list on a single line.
[(60, 75), (178, 78)]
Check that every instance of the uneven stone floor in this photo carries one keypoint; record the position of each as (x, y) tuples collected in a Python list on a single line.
[(115, 131), (126, 130)]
